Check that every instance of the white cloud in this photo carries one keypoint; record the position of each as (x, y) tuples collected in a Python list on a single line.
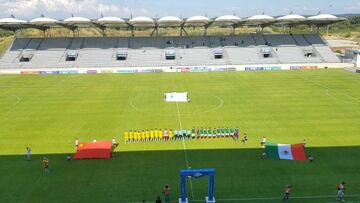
[(36, 7)]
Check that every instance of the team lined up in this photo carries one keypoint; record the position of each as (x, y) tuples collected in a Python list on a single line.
[(169, 135)]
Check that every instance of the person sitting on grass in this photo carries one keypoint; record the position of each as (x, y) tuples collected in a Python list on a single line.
[(310, 158), (68, 158), (263, 155)]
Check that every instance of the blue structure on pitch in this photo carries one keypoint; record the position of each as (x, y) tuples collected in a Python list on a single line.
[(197, 173)]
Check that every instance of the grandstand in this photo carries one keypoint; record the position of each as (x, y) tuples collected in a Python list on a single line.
[(167, 52), (153, 51)]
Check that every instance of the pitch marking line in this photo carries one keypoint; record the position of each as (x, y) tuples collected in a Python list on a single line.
[(183, 142), (276, 198)]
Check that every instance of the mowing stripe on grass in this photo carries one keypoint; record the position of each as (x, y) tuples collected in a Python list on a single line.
[(183, 142)]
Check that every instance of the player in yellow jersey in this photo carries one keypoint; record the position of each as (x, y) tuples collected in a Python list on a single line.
[(156, 136), (171, 134), (147, 134), (131, 137), (152, 133), (138, 137), (126, 136), (143, 136), (161, 135)]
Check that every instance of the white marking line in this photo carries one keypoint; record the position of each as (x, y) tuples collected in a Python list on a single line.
[(279, 198), (183, 142)]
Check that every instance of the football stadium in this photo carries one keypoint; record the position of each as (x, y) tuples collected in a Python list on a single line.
[(234, 116)]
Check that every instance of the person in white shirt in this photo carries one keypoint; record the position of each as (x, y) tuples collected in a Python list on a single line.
[(263, 141), (114, 142), (76, 142), (28, 150), (94, 140)]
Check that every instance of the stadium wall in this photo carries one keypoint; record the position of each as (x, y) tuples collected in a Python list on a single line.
[(122, 70)]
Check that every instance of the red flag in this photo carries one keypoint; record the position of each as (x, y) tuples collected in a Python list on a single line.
[(94, 150)]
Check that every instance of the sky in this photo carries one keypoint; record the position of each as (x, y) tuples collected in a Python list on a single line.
[(60, 9)]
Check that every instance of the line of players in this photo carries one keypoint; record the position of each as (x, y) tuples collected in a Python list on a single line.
[(165, 135)]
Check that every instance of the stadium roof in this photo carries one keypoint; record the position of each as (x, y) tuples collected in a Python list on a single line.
[(43, 21), (168, 21), (227, 20), (142, 21), (262, 20), (324, 19), (10, 21), (76, 20), (197, 21)]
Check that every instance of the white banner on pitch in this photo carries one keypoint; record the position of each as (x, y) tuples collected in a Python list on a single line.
[(176, 97)]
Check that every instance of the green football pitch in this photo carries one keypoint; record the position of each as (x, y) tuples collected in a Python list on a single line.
[(47, 113)]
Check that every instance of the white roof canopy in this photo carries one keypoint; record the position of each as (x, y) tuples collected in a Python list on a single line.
[(292, 17), (43, 21), (197, 21), (261, 17), (323, 16), (227, 20), (169, 21), (111, 20), (77, 20), (11, 21), (142, 21)]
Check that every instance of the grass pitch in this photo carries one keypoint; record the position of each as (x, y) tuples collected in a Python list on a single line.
[(47, 112)]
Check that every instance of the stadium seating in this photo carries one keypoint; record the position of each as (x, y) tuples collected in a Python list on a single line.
[(151, 51)]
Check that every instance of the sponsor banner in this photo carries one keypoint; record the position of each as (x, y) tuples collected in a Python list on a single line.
[(302, 67), (309, 67), (253, 68), (223, 69), (126, 71), (295, 67), (358, 70), (151, 70), (29, 72), (49, 72), (267, 68), (69, 72), (106, 71), (199, 69), (183, 70), (91, 71)]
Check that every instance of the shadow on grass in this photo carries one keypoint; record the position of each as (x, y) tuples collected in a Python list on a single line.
[(241, 176)]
